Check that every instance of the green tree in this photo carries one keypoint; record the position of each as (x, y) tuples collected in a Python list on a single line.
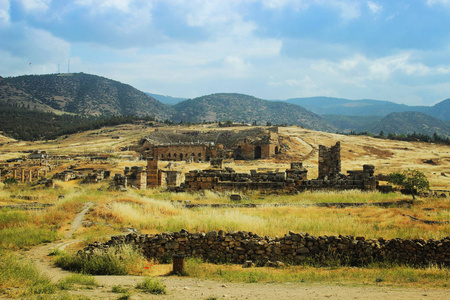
[(412, 181)]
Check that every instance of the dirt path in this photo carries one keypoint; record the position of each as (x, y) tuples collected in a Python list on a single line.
[(191, 288)]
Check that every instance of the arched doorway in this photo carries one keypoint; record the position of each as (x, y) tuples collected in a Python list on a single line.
[(257, 152)]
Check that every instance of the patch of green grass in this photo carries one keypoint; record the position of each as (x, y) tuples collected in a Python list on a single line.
[(61, 297), (124, 297), (77, 279), (19, 277), (379, 274), (26, 236), (116, 261), (119, 289), (152, 286), (12, 218)]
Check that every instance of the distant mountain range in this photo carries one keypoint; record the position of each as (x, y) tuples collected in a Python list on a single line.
[(398, 123), (85, 94), (345, 107), (167, 99)]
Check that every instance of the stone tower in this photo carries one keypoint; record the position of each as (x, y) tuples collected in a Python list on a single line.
[(329, 161)]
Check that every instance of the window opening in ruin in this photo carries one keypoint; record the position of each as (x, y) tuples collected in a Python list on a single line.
[(199, 155), (169, 155), (192, 154), (276, 149), (175, 155), (181, 156), (257, 152)]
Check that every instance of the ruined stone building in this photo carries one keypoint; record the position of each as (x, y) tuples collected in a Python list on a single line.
[(255, 143), (291, 180), (329, 161)]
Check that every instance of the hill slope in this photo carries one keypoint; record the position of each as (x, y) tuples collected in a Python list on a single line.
[(88, 95), (410, 122), (357, 124), (441, 110), (244, 108), (11, 96)]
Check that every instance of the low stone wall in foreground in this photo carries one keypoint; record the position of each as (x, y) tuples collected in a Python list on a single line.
[(293, 248)]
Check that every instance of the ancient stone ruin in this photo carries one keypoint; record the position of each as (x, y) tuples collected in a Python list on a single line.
[(330, 161), (292, 180), (173, 145)]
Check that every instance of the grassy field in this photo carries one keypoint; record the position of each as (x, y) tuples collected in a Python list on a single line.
[(155, 211)]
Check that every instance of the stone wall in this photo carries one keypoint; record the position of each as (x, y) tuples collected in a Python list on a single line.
[(171, 178), (291, 181), (239, 247), (136, 177)]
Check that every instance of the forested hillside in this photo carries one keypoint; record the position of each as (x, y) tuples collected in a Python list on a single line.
[(248, 109), (88, 95)]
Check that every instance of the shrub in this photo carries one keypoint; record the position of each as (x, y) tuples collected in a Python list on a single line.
[(152, 286), (10, 180), (119, 289), (121, 260), (413, 181)]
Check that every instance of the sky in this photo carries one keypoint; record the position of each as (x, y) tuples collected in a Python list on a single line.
[(393, 50)]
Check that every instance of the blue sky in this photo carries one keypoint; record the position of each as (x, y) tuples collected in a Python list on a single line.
[(272, 49)]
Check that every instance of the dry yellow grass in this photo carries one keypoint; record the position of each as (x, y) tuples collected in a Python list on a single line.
[(153, 216)]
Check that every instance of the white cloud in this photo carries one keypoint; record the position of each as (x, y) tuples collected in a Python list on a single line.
[(374, 7), (4, 12), (434, 2), (348, 10), (35, 6), (237, 64), (34, 46), (207, 13), (281, 4), (102, 5)]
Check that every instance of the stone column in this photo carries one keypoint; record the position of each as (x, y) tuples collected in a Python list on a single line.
[(152, 173)]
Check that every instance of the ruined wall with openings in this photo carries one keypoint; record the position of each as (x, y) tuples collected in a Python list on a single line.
[(179, 152)]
